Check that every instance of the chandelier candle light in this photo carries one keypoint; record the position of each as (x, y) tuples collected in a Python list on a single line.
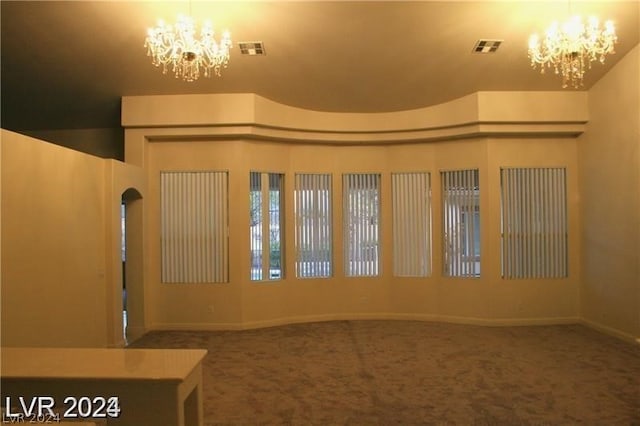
[(570, 48), (188, 55)]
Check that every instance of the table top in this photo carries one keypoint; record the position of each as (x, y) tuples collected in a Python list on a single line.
[(98, 363)]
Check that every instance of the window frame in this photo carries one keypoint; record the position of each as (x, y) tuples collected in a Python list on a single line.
[(412, 223), (270, 183), (460, 193), (309, 229), (372, 267)]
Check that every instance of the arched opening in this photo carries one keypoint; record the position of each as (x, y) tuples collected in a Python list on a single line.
[(132, 283)]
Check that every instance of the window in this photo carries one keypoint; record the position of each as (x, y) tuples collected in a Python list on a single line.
[(461, 223), (194, 220), (361, 216), (411, 224), (534, 222), (312, 205), (266, 229)]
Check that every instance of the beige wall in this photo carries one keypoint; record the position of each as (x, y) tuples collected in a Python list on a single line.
[(60, 227), (609, 160), (519, 139), (60, 215)]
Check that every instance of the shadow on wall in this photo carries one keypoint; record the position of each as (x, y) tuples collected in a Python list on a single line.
[(103, 143)]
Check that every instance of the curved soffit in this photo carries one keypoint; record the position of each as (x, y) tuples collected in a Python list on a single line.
[(252, 116)]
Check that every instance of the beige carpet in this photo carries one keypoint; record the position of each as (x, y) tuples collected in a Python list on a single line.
[(409, 373)]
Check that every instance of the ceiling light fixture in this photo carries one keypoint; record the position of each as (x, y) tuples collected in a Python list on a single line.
[(188, 55), (571, 47)]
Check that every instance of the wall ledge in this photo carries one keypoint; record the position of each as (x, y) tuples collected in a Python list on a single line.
[(264, 133), (249, 116)]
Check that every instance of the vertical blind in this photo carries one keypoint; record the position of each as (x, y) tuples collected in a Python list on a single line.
[(361, 218), (266, 227), (194, 216), (461, 223), (411, 224), (534, 222), (313, 240)]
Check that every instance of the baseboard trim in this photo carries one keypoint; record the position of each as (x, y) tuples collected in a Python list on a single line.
[(628, 337), (493, 322), (232, 326), (452, 319)]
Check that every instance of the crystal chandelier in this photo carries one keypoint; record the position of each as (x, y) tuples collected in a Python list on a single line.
[(187, 54), (571, 47)]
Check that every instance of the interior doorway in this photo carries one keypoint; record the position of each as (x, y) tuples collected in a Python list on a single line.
[(132, 293), (123, 258)]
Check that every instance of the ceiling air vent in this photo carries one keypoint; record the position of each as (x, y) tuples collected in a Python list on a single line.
[(487, 46), (251, 48)]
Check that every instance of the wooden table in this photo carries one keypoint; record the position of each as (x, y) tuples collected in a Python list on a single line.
[(152, 386)]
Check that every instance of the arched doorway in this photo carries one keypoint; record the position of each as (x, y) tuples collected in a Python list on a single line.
[(132, 282)]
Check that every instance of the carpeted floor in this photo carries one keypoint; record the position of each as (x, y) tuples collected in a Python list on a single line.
[(409, 373)]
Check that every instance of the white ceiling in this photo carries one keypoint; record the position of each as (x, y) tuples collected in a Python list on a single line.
[(66, 64)]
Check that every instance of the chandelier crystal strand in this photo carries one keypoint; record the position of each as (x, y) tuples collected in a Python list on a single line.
[(187, 55), (569, 49)]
